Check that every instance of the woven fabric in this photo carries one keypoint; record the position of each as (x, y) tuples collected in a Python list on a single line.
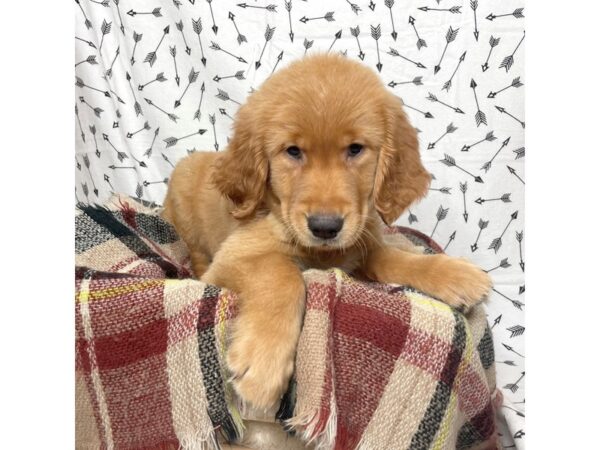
[(378, 366)]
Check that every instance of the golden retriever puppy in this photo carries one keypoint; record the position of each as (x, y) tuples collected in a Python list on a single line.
[(319, 156)]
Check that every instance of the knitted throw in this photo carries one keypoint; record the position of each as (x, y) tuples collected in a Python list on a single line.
[(377, 367)]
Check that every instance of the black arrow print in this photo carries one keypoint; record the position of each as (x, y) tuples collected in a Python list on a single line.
[(450, 162), (497, 320), (109, 72), (80, 83), (197, 27), (504, 264), (440, 215), (434, 99), (145, 127), (223, 112), (151, 57), (427, 114), (518, 435), (504, 111), (192, 77), (167, 160), (450, 239), (482, 226), (121, 27), (197, 114), (269, 32), (420, 42), (279, 58), (389, 4), (87, 23), (271, 8), (328, 17), (517, 14), (307, 44), (517, 304), (78, 164), (513, 172), (521, 289), (510, 59), (488, 164), (136, 106), (179, 26), (85, 190), (148, 151), (411, 217), (105, 29), (212, 119), (508, 363), (488, 137), (163, 181), (453, 9), (240, 37), (450, 36), (519, 236), (336, 36), (474, 5), (493, 43), (90, 43), (120, 155), (96, 110), (497, 243), (395, 52), (516, 83), (505, 198), (519, 153), (354, 7), (519, 413), (479, 115), (107, 179), (376, 34), (155, 12), (417, 81), (514, 387), (141, 163), (139, 191), (217, 47), (516, 330), (222, 95), (448, 83), (443, 190), (214, 27), (372, 5), (119, 99), (288, 8), (171, 141), (79, 122), (136, 38), (160, 77), (239, 75), (449, 130), (93, 131), (463, 189), (173, 117), (91, 60)]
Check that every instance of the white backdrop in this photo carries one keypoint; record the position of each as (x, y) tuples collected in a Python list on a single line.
[(157, 80)]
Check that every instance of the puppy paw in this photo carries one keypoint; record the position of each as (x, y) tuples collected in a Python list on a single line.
[(460, 283)]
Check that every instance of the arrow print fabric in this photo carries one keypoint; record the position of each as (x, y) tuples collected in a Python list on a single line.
[(157, 81)]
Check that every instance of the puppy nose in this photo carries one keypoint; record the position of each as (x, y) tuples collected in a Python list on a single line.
[(325, 226)]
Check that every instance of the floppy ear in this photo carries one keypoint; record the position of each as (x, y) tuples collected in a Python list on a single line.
[(241, 171), (401, 178)]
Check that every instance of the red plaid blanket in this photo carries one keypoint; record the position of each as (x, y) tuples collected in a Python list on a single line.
[(378, 366)]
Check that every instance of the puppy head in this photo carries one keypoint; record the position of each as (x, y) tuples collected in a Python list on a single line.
[(323, 143)]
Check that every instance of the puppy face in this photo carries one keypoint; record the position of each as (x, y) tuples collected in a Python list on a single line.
[(324, 144)]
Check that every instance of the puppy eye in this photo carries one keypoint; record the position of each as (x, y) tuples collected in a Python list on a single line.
[(355, 150), (294, 152)]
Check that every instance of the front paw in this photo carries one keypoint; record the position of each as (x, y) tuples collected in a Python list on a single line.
[(460, 283)]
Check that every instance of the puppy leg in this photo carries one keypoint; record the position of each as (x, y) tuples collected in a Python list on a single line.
[(266, 330), (455, 281), (199, 262)]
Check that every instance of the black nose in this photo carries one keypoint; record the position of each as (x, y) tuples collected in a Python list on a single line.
[(325, 226)]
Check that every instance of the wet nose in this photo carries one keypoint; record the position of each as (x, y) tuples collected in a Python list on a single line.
[(325, 226)]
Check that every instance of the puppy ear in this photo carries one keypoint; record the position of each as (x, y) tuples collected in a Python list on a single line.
[(240, 173), (401, 178)]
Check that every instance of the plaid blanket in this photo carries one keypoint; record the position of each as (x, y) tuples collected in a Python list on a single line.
[(378, 366)]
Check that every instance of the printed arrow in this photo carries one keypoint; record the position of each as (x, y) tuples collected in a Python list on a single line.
[(420, 42), (119, 99), (179, 26), (279, 58), (192, 77), (417, 81), (503, 264), (151, 57), (517, 304), (87, 23), (427, 114), (514, 387), (434, 99), (121, 27), (109, 72), (372, 5), (214, 27), (145, 127), (510, 59), (516, 330), (449, 130), (307, 44), (93, 131), (479, 115), (136, 38), (512, 171), (328, 17), (508, 362), (517, 14), (78, 164), (450, 162), (105, 29), (167, 160), (488, 137), (107, 179), (271, 8), (493, 43), (450, 36), (173, 117), (450, 239), (440, 215), (395, 52), (139, 191), (497, 321), (79, 122), (212, 119), (505, 198), (355, 32), (519, 236), (197, 114), (389, 4), (223, 112), (443, 190), (80, 83), (336, 36), (453, 9), (353, 6), (376, 34), (519, 153), (411, 217), (519, 413), (240, 37), (136, 106), (197, 27), (516, 83), (85, 190), (141, 163), (474, 5), (155, 12), (91, 60), (120, 155), (96, 110), (521, 289), (239, 75), (519, 434), (482, 226), (463, 189), (225, 96), (497, 243), (269, 32), (215, 46), (148, 183), (448, 83), (504, 111), (488, 164), (159, 77), (148, 151), (90, 43), (171, 141)]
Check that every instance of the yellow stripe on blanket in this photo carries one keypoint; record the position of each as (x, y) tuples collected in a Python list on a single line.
[(103, 294)]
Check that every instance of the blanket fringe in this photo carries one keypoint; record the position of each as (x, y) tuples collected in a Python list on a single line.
[(201, 440), (316, 427)]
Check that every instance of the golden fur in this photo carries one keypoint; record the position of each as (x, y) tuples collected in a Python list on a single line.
[(243, 212)]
